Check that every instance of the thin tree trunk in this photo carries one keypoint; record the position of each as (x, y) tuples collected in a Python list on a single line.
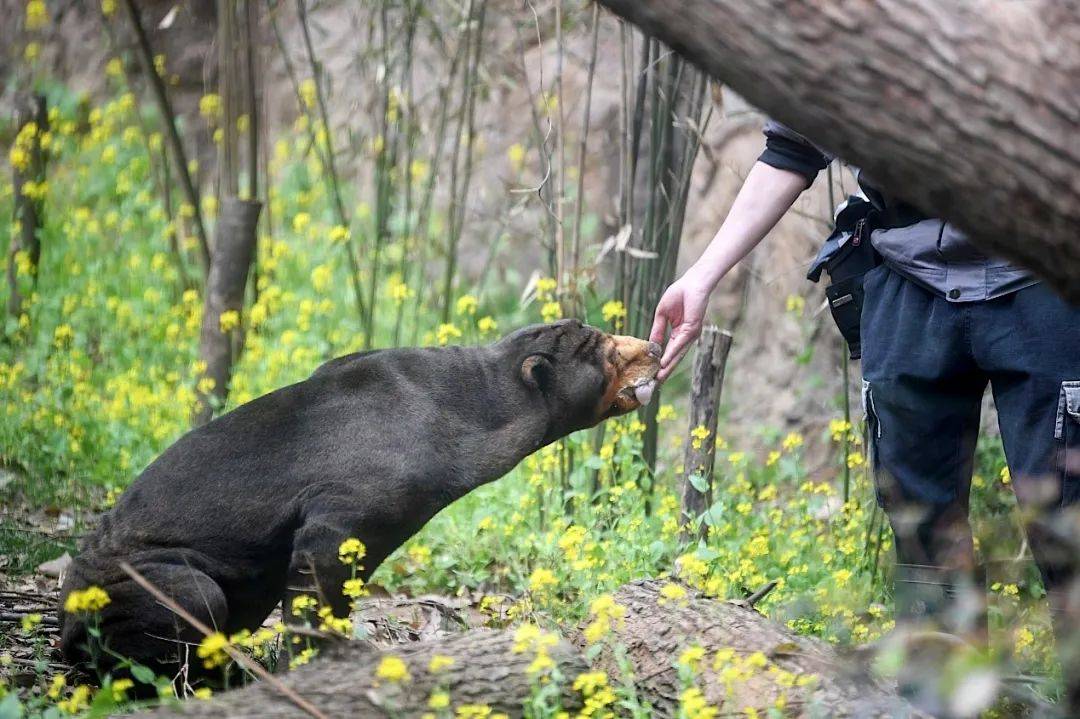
[(970, 110), (234, 251), (708, 380), (28, 210)]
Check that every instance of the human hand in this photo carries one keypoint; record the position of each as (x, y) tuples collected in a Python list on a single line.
[(682, 308)]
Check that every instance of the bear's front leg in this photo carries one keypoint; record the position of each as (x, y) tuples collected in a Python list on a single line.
[(317, 568)]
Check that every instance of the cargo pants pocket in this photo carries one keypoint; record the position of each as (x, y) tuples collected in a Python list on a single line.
[(1067, 434), (873, 433)]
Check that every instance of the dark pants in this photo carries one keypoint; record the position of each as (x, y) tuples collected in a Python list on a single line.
[(926, 363)]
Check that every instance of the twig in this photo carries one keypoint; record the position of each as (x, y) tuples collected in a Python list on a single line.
[(760, 594), (237, 656)]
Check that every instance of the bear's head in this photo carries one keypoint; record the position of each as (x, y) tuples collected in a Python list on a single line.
[(582, 374)]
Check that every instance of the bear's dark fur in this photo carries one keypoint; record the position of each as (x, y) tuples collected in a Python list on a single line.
[(252, 507)]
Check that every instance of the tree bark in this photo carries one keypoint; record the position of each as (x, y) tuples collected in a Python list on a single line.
[(486, 670), (708, 380), (657, 630), (969, 110), (234, 251)]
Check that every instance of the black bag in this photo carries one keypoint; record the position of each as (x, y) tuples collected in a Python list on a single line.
[(848, 255)]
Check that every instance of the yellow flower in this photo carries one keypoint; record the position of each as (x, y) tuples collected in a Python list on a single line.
[(79, 700), (300, 222), (614, 311), (440, 663), (544, 287), (119, 688), (203, 693), (418, 170), (31, 52), (699, 434), (439, 700), (210, 106), (487, 325), (321, 277), (665, 413), (351, 550), (63, 335), (212, 650), (772, 459), (792, 441), (447, 332), (1006, 475), (671, 592), (37, 16), (855, 460), (229, 320), (693, 705), (339, 233), (466, 305), (353, 588), (551, 311), (393, 669), (795, 304), (108, 7), (419, 553), (30, 621), (516, 154), (91, 599), (302, 603), (541, 579), (692, 656), (308, 93)]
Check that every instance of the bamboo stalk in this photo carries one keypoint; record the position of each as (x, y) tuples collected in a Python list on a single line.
[(325, 157), (157, 87), (582, 146)]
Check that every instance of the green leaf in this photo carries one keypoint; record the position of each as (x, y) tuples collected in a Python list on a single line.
[(10, 707), (712, 514), (698, 482), (143, 674)]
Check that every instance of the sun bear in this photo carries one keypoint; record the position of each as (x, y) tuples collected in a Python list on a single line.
[(251, 508)]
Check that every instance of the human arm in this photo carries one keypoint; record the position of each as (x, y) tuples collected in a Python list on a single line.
[(767, 193)]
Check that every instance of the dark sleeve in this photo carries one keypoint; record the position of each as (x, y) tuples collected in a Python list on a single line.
[(785, 149)]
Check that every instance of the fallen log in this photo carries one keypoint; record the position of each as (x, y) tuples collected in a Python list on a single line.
[(763, 665), (485, 671)]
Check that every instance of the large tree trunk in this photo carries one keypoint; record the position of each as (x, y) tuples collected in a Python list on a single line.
[(487, 670), (968, 109)]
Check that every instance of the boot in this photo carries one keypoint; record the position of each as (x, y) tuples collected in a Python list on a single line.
[(939, 612)]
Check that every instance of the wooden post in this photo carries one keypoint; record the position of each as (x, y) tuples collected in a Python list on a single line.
[(30, 170), (712, 352)]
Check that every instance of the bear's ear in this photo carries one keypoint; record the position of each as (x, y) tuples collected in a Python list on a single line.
[(537, 372)]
